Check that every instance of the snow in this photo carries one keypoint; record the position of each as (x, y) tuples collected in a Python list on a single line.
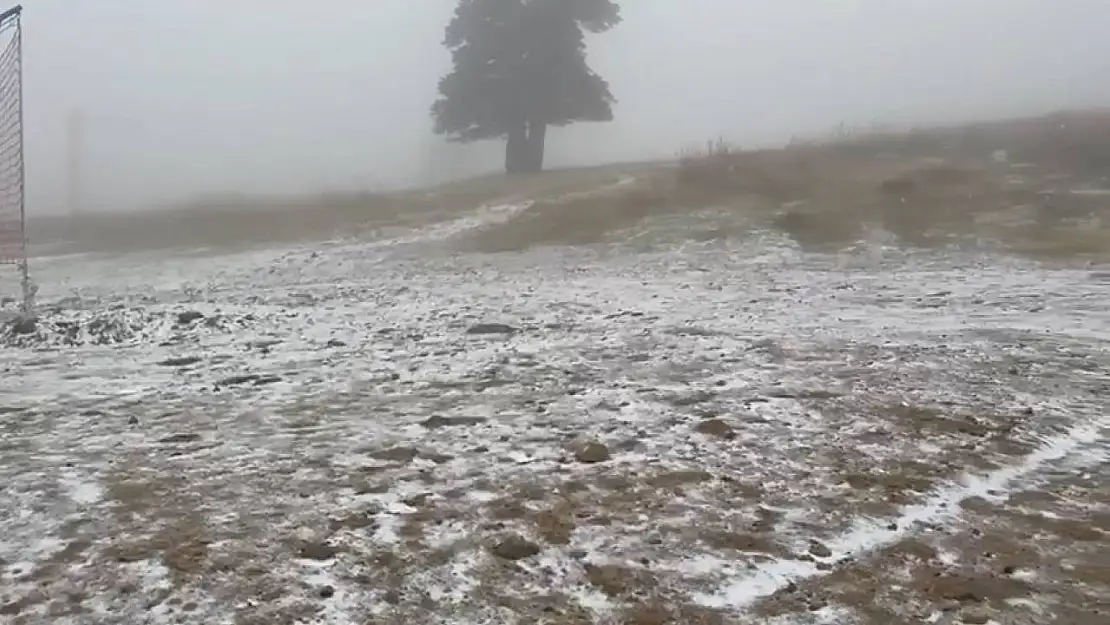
[(267, 416)]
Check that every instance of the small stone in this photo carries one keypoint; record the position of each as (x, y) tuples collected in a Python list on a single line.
[(490, 328), (818, 550), (975, 616), (238, 379), (716, 428), (189, 316), (950, 606), (592, 453), (319, 551), (11, 609), (183, 437), (436, 422), (396, 454), (514, 547), (183, 361), (24, 325)]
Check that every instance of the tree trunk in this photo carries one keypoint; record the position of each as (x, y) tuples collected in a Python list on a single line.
[(537, 144), (516, 150)]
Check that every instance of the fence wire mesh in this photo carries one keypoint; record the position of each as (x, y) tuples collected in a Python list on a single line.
[(13, 248)]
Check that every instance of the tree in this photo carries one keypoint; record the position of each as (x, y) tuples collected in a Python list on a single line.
[(520, 67)]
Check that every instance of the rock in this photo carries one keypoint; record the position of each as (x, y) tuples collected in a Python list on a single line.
[(417, 501), (975, 616), (327, 592), (716, 428), (24, 325), (395, 454), (363, 486), (819, 550), (436, 457), (132, 420), (264, 345), (490, 328), (189, 316), (336, 343), (592, 453), (435, 422), (236, 380), (184, 437), (11, 609), (183, 361), (319, 551), (514, 547), (691, 399)]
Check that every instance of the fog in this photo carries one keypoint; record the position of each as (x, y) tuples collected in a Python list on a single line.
[(184, 99)]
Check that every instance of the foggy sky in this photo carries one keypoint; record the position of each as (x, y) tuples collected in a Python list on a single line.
[(181, 99)]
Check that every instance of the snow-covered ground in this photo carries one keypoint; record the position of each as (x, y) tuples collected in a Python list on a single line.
[(389, 431)]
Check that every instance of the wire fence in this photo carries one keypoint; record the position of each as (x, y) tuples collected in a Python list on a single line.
[(13, 237)]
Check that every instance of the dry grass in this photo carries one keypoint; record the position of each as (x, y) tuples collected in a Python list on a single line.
[(926, 187), (243, 221)]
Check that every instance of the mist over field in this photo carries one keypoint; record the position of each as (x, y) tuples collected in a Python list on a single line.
[(184, 100), (717, 311)]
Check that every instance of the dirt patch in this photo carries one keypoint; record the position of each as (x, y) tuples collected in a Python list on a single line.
[(619, 581), (744, 543), (673, 479), (556, 524)]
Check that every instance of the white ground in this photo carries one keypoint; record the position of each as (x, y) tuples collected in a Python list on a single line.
[(138, 492)]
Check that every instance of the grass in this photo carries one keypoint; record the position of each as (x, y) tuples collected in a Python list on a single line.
[(1008, 184), (244, 221)]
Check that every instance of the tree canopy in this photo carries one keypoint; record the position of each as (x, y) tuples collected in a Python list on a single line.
[(519, 67)]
